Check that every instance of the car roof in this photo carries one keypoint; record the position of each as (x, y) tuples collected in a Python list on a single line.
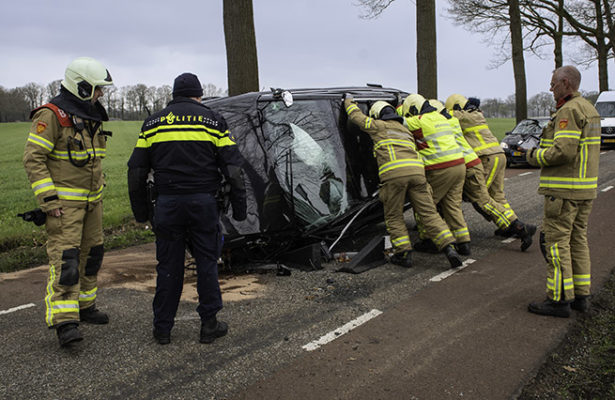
[(365, 93)]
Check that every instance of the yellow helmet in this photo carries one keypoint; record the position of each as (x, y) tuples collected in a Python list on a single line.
[(83, 75), (413, 104), (455, 100), (377, 108), (437, 104)]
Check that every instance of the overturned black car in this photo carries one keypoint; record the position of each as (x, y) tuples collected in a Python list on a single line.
[(311, 177), (524, 137)]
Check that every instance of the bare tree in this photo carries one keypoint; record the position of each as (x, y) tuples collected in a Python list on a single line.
[(541, 104), (241, 58), (498, 16), (34, 94), (53, 89), (426, 48)]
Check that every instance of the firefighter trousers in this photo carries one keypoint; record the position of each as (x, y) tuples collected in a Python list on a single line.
[(447, 187), (75, 251), (393, 196), (566, 249), (475, 190), (494, 166)]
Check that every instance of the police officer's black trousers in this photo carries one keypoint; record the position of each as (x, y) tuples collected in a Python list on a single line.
[(177, 217)]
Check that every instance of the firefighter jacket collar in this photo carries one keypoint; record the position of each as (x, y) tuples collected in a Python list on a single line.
[(80, 108), (564, 100)]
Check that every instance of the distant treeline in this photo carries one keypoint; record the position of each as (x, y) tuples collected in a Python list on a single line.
[(138, 101)]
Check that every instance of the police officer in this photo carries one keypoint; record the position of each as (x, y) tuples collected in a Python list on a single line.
[(475, 188), (189, 147), (486, 146), (62, 159), (568, 155), (444, 165), (401, 172)]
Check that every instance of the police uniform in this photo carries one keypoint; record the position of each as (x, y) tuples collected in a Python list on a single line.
[(444, 167), (63, 160), (401, 172), (186, 145), (568, 155)]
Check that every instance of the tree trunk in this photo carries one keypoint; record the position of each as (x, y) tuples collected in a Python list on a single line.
[(601, 48), (518, 60), (426, 54), (241, 58), (559, 34)]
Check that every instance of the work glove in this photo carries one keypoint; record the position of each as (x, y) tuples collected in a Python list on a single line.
[(348, 97)]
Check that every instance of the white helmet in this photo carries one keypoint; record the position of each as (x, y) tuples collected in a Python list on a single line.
[(377, 108), (413, 104), (83, 75)]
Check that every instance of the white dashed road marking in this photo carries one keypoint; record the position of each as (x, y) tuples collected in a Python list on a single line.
[(606, 189), (509, 240), (526, 173), (451, 271), (342, 330), (10, 310)]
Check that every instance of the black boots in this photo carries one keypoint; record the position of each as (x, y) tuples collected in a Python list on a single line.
[(91, 315), (452, 256), (211, 329), (425, 246), (463, 248), (162, 337), (523, 232), (404, 259), (580, 303), (552, 308), (68, 333)]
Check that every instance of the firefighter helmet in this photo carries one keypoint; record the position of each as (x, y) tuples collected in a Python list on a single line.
[(455, 100), (413, 104), (437, 104), (83, 75), (376, 110)]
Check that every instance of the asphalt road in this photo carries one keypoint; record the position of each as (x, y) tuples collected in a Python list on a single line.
[(424, 336)]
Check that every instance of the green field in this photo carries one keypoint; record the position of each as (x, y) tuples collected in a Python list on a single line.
[(22, 244)]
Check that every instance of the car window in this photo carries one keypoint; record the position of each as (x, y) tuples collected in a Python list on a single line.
[(309, 161), (606, 108), (530, 126)]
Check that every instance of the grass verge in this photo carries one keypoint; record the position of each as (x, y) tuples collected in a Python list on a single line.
[(583, 366)]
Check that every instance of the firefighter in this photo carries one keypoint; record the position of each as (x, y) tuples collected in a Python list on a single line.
[(401, 172), (444, 166), (189, 148), (486, 146), (475, 189), (568, 156), (62, 158)]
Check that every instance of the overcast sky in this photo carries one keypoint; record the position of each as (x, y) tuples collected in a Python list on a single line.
[(300, 43)]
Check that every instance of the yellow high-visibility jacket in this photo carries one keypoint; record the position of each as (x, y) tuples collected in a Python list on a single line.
[(435, 140), (52, 143), (477, 132), (569, 151), (394, 147)]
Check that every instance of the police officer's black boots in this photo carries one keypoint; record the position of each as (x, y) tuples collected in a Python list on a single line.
[(68, 333), (452, 256), (580, 303), (162, 337), (552, 308), (92, 315), (463, 248), (211, 329), (404, 259)]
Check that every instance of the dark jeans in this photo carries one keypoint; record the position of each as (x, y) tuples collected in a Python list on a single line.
[(178, 218)]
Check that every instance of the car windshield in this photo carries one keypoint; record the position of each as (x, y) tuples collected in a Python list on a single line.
[(606, 108), (530, 127)]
